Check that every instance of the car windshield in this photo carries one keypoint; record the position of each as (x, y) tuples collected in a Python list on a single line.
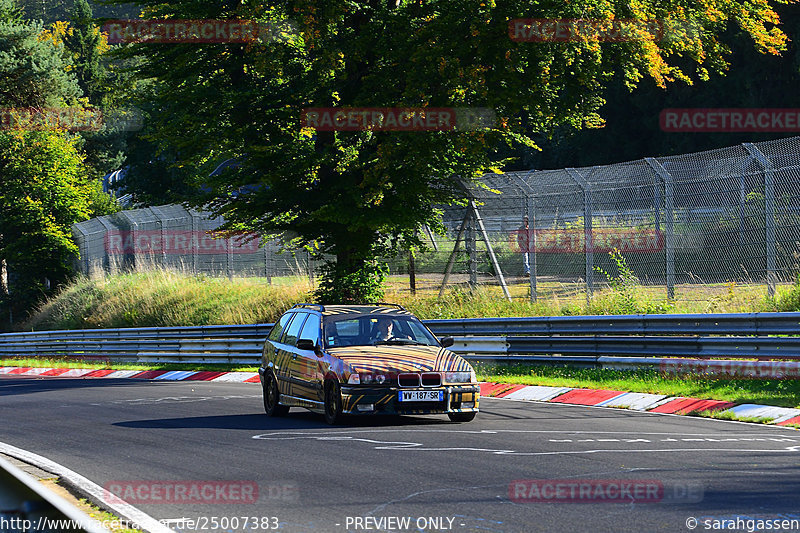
[(375, 330)]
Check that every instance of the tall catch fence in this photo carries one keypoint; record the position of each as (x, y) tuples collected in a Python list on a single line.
[(685, 226), (683, 223), (175, 238)]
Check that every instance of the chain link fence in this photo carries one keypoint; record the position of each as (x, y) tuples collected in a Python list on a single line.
[(727, 216), (175, 238), (681, 223)]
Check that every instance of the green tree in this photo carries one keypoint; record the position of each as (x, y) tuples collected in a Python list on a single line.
[(101, 82), (45, 184), (357, 195), (33, 69), (45, 190), (83, 40)]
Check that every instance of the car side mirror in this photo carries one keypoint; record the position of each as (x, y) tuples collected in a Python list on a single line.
[(306, 344), (447, 342)]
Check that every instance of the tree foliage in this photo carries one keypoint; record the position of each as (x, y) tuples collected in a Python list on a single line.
[(45, 186), (631, 128), (356, 195), (45, 190)]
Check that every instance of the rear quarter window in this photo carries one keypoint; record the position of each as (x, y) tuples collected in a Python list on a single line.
[(277, 330), (293, 330)]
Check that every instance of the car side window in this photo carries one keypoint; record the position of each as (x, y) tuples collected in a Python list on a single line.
[(342, 332), (293, 330), (310, 330), (277, 329), (420, 333)]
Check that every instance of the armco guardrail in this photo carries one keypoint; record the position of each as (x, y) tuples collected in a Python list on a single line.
[(583, 339), (26, 505)]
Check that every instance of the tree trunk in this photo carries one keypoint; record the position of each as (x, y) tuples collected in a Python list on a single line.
[(3, 278)]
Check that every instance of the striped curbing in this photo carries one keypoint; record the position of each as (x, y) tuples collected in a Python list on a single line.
[(155, 375), (537, 392), (587, 396), (653, 403), (638, 401), (793, 421), (777, 414), (683, 406)]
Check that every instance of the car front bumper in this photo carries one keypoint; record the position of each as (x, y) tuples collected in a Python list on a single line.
[(384, 400)]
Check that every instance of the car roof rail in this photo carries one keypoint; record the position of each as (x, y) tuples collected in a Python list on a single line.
[(390, 304), (319, 307)]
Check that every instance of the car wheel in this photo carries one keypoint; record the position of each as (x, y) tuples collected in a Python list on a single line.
[(272, 397), (333, 403), (462, 417)]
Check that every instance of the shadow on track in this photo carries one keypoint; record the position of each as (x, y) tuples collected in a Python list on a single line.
[(294, 420), (14, 385)]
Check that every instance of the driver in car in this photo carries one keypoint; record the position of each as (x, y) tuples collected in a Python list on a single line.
[(383, 330)]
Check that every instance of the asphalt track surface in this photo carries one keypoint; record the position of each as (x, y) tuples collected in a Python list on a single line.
[(437, 475)]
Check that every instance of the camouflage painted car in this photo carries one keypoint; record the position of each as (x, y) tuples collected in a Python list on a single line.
[(363, 360)]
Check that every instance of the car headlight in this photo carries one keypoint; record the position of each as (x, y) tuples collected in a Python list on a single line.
[(367, 378), (460, 377), (374, 379)]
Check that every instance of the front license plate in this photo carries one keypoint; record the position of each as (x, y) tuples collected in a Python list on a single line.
[(420, 395)]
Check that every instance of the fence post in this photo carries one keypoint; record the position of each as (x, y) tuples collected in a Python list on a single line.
[(742, 200), (476, 217), (530, 210), (108, 258), (266, 261), (588, 240), (472, 250), (769, 214), (195, 238), (669, 222)]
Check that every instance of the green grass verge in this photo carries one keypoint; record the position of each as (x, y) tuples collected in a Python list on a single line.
[(727, 415), (168, 298), (782, 393), (110, 520)]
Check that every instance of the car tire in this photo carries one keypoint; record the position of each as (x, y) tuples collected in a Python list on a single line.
[(333, 403), (272, 397), (462, 417)]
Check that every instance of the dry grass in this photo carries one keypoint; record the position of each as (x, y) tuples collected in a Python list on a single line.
[(165, 298)]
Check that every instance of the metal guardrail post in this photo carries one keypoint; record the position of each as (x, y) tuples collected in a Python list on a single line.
[(669, 237), (588, 239), (769, 214)]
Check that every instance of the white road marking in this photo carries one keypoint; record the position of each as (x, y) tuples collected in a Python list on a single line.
[(177, 399), (419, 446)]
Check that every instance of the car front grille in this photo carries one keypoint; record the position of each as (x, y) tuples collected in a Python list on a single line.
[(408, 380), (426, 379), (431, 379)]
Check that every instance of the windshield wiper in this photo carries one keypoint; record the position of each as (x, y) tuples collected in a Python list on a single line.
[(400, 341)]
